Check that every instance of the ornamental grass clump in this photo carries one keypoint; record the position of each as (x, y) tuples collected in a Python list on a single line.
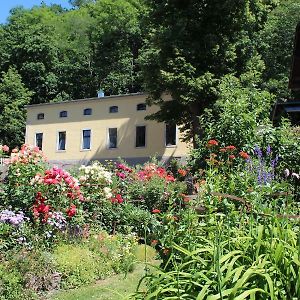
[(237, 256)]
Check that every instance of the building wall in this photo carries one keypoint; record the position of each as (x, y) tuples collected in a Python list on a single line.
[(125, 120)]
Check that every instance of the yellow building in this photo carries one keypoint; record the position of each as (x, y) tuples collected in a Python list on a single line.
[(101, 128)]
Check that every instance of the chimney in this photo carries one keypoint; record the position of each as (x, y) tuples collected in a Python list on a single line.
[(100, 93)]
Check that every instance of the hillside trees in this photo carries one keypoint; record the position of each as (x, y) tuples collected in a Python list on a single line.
[(190, 46), (13, 97), (71, 54)]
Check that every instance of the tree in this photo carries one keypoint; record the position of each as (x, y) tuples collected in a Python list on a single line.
[(115, 43), (191, 46), (275, 43), (13, 97)]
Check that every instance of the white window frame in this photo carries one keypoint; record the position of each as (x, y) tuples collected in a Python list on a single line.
[(108, 141), (176, 138), (135, 136), (81, 140), (57, 141)]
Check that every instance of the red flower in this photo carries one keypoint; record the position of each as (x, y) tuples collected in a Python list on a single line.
[(230, 148), (170, 178), (154, 243), (155, 211), (182, 172), (71, 211), (212, 143), (244, 155), (222, 150), (42, 208), (119, 198), (231, 156)]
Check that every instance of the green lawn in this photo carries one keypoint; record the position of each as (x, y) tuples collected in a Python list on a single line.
[(114, 288)]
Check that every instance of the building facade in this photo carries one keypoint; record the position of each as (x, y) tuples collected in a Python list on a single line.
[(105, 128)]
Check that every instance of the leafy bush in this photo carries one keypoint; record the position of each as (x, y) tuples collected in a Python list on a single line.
[(78, 265), (11, 285), (24, 165), (117, 250), (38, 270)]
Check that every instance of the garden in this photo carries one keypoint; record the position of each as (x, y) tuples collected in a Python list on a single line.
[(224, 225)]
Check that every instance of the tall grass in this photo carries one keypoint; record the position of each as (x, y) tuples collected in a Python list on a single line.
[(230, 257)]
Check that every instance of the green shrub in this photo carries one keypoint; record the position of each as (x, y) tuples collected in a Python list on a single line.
[(38, 270), (78, 265), (117, 250), (11, 285)]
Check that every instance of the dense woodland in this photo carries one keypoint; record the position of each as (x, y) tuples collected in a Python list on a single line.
[(193, 49)]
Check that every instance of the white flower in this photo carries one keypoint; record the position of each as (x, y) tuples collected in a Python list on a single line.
[(107, 192)]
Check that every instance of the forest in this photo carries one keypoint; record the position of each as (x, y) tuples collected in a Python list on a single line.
[(187, 48)]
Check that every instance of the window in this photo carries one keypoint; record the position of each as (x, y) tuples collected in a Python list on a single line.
[(113, 109), (87, 111), (86, 139), (63, 114), (140, 138), (61, 141), (39, 140), (170, 134), (112, 138), (41, 116), (141, 106)]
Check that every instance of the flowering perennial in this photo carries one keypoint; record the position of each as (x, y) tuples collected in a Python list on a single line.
[(27, 154), (10, 217), (150, 170)]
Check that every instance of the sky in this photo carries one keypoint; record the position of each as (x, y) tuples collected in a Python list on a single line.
[(7, 5)]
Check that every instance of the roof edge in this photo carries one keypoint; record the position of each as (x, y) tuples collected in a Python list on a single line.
[(86, 99)]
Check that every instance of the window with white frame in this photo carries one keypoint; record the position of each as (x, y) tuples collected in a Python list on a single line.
[(112, 138), (39, 140), (61, 143), (140, 136), (171, 134), (86, 139)]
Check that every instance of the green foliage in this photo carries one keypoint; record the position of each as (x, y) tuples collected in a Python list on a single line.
[(11, 285), (68, 54), (38, 270), (77, 265), (229, 257), (13, 97), (275, 43), (117, 251), (285, 142), (156, 193), (190, 46), (238, 114)]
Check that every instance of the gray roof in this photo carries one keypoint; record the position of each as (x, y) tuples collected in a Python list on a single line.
[(86, 99)]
